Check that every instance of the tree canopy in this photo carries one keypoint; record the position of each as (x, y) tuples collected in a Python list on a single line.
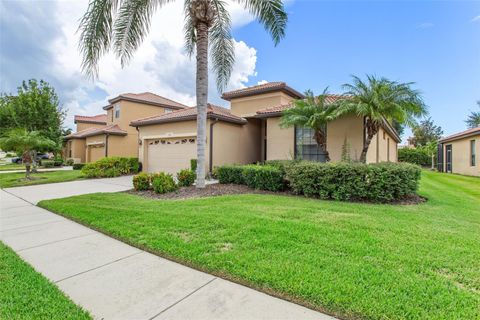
[(473, 119), (426, 132)]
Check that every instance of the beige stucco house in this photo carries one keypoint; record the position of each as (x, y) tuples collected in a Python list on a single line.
[(110, 134), (249, 132), (458, 153)]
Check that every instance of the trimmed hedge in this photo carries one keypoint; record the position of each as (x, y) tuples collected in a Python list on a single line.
[(255, 176), (111, 167), (163, 182), (230, 174), (186, 178), (141, 181), (193, 165), (69, 162), (354, 181), (414, 155), (47, 163), (78, 166)]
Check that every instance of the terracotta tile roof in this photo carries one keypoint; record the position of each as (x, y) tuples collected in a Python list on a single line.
[(331, 98), (99, 118), (262, 88), (112, 129), (147, 98), (463, 134), (213, 112)]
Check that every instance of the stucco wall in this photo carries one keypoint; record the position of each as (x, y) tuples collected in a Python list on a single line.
[(280, 141), (248, 106), (78, 150), (347, 129), (382, 148), (94, 154), (461, 156), (82, 126)]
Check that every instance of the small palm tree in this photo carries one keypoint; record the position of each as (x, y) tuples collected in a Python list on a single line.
[(27, 144), (123, 24), (314, 113), (378, 100), (473, 119)]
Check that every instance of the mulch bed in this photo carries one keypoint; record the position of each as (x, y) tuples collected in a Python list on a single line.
[(214, 190)]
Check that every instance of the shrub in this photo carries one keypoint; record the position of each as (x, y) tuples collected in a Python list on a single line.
[(193, 165), (69, 162), (78, 166), (57, 163), (141, 181), (414, 155), (230, 174), (263, 177), (280, 164), (111, 167), (48, 163), (186, 178), (354, 181), (163, 182)]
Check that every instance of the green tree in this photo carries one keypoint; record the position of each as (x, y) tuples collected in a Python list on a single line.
[(122, 25), (26, 144), (425, 132), (312, 112), (473, 119), (378, 100), (34, 108)]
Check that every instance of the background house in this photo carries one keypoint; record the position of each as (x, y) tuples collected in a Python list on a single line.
[(458, 153)]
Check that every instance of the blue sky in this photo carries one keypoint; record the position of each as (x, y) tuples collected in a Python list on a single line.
[(433, 43)]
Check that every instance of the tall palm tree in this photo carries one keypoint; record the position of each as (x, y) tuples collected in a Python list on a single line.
[(122, 25), (314, 113), (378, 100), (473, 119)]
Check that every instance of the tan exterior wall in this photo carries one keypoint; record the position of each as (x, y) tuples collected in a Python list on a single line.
[(82, 126), (123, 146), (461, 156), (280, 141), (92, 153), (77, 147), (383, 148), (236, 144), (248, 106), (347, 129)]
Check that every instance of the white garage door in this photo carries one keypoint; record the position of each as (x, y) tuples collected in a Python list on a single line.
[(171, 155)]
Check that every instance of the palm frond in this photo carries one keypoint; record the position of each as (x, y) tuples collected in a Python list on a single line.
[(271, 13), (189, 30), (96, 33)]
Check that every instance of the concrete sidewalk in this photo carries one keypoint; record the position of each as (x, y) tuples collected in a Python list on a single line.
[(115, 281)]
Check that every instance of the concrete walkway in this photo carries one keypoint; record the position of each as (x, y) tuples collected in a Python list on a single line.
[(65, 168), (115, 281)]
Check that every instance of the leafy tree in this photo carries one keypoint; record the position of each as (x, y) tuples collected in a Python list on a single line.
[(27, 144), (379, 100), (426, 132), (34, 108), (473, 119), (124, 24), (314, 113)]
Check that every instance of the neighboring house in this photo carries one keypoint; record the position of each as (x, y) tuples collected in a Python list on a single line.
[(110, 134), (458, 153), (249, 132)]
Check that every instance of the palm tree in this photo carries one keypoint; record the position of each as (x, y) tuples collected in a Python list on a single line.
[(473, 119), (378, 100), (123, 24), (26, 143), (314, 113)]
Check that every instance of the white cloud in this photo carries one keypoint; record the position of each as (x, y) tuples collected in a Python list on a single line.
[(476, 19), (262, 82), (160, 65)]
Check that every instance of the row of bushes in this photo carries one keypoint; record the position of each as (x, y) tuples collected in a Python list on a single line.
[(340, 181), (163, 182), (111, 167), (418, 156), (51, 163)]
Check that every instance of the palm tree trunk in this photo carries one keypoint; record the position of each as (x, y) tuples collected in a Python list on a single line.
[(202, 100), (372, 130), (322, 143), (27, 171)]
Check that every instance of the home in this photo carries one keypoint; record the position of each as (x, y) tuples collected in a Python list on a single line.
[(457, 153), (110, 134), (249, 132)]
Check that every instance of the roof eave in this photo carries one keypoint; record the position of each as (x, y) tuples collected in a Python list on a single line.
[(184, 118), (467, 135), (163, 105), (91, 121), (288, 90)]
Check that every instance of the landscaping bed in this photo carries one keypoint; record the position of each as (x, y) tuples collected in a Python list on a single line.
[(26, 294), (351, 260)]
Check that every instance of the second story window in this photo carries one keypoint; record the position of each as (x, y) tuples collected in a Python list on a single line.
[(168, 110), (117, 111)]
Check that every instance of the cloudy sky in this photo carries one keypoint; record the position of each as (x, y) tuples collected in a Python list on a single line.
[(433, 43)]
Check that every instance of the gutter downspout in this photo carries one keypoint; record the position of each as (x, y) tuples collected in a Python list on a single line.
[(106, 145), (210, 146)]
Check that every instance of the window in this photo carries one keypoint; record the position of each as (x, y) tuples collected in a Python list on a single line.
[(473, 161), (168, 110), (117, 111), (306, 147)]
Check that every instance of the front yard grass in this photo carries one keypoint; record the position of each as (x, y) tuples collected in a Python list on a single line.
[(26, 294), (11, 166), (8, 180), (351, 260)]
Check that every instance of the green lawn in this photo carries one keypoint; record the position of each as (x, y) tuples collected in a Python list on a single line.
[(349, 259), (11, 166), (8, 180), (26, 294)]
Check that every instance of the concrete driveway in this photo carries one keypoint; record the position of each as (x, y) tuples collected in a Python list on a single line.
[(113, 280)]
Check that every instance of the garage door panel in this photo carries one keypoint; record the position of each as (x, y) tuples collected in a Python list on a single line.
[(170, 155), (96, 153)]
